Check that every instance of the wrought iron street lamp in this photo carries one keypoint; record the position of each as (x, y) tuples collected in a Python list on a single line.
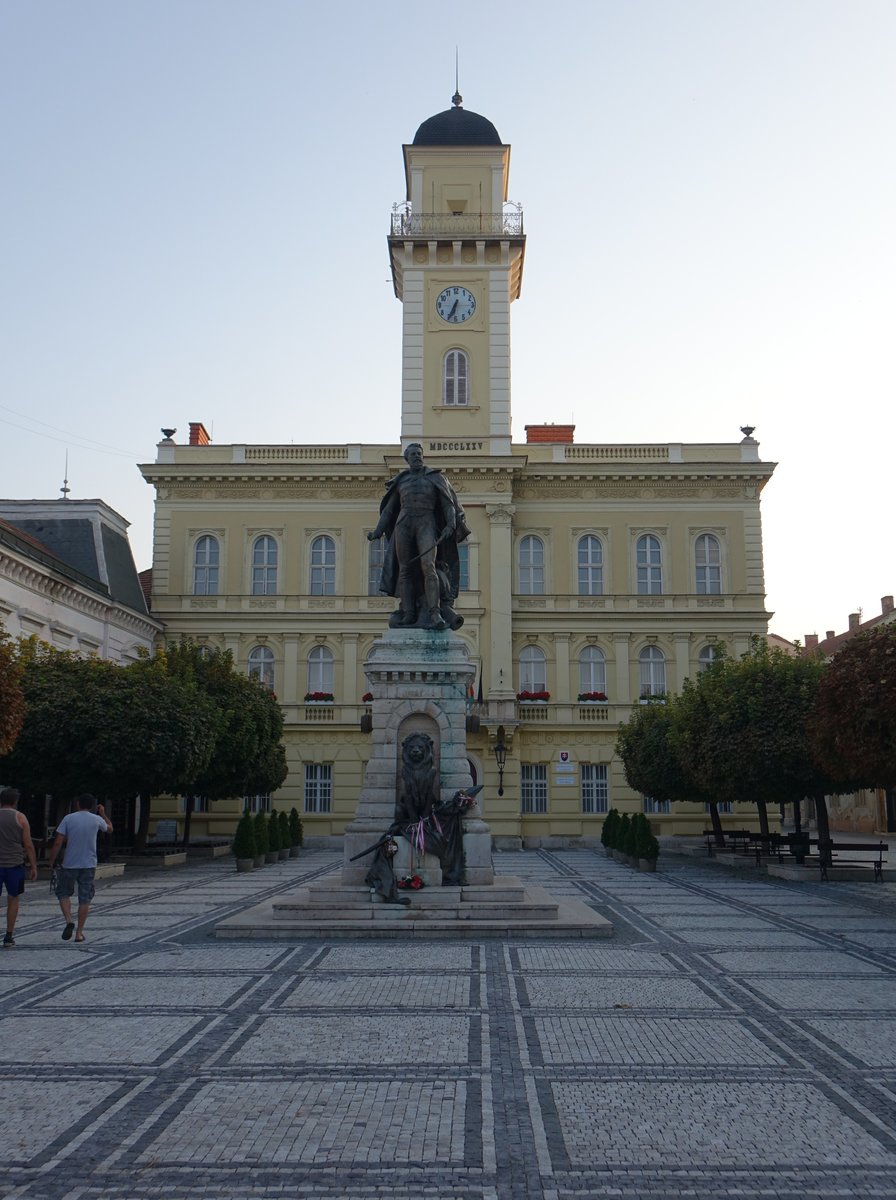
[(500, 753)]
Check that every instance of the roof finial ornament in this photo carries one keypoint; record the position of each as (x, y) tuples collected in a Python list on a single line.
[(65, 489), (457, 99)]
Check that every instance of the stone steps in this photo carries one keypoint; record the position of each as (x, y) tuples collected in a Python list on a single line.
[(329, 909)]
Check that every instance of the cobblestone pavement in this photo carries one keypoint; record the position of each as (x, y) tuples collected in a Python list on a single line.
[(737, 1037)]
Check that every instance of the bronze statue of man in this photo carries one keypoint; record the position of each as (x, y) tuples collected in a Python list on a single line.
[(423, 522)]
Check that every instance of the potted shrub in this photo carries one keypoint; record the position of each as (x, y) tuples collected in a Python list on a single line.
[(244, 843), (648, 848), (273, 854), (285, 840), (608, 831), (260, 823), (296, 836), (630, 841), (622, 829)]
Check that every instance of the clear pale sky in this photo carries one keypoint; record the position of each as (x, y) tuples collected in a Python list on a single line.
[(196, 199)]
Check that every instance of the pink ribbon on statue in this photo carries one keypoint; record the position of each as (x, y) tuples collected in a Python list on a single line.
[(417, 835)]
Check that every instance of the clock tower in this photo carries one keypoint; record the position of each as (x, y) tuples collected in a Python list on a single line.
[(456, 249)]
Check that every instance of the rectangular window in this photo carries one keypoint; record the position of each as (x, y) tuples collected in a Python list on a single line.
[(375, 555), (318, 787), (723, 806), (534, 787), (655, 806), (595, 788), (198, 804), (463, 556), (257, 804)]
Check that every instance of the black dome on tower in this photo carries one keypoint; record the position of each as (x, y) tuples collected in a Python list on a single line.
[(457, 127)]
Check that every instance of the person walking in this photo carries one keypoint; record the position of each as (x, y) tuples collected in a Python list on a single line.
[(78, 832), (15, 846)]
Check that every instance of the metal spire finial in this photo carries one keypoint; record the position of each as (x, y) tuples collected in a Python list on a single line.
[(65, 489), (457, 99)]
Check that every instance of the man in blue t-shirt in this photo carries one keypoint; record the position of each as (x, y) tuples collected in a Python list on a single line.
[(77, 832)]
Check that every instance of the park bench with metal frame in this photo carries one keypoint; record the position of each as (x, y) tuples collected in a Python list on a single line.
[(828, 857), (736, 838)]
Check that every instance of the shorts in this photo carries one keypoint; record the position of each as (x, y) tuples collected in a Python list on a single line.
[(67, 877), (14, 879)]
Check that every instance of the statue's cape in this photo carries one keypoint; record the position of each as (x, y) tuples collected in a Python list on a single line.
[(447, 558)]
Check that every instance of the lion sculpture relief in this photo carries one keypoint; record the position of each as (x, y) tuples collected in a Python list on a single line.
[(418, 790)]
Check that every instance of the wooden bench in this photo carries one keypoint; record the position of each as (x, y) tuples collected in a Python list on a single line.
[(828, 857), (736, 837)]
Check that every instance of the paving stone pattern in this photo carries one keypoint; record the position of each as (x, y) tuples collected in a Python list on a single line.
[(737, 1037)]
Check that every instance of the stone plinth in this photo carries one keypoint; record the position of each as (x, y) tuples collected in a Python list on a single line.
[(420, 680)]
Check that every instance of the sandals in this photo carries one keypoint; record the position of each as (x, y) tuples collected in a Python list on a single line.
[(68, 931), (80, 938)]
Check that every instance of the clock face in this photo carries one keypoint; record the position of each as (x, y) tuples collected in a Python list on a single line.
[(455, 305)]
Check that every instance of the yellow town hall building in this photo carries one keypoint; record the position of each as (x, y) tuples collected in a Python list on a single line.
[(594, 575)]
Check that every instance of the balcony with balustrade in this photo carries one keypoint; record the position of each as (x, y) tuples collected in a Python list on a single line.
[(408, 226)]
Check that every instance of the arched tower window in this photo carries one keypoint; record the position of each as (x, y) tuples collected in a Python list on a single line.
[(264, 566), (323, 567), (456, 378), (206, 561)]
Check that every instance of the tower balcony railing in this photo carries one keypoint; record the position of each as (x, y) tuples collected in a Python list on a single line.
[(479, 224)]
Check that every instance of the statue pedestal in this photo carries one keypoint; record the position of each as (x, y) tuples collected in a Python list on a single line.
[(420, 680)]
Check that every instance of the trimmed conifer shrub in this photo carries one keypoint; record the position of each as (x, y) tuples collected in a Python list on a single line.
[(273, 833), (260, 821), (244, 838), (296, 833)]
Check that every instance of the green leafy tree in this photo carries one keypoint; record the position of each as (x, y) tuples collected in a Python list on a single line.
[(744, 731), (852, 730), (12, 697), (92, 725), (248, 756)]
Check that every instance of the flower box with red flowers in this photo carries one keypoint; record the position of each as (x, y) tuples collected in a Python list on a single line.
[(533, 697), (367, 697), (318, 697), (592, 697)]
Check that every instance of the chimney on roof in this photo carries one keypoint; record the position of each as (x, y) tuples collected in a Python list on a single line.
[(811, 641), (550, 433), (830, 633), (855, 619), (199, 434), (886, 605)]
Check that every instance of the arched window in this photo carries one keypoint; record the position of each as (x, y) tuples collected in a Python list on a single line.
[(592, 670), (261, 666), (531, 564), (463, 555), (650, 565), (533, 670), (456, 378), (708, 559), (206, 560), (323, 567), (264, 566), (321, 670), (591, 566), (706, 656), (376, 552), (652, 665)]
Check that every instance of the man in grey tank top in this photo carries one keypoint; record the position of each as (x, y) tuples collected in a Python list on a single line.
[(15, 846)]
